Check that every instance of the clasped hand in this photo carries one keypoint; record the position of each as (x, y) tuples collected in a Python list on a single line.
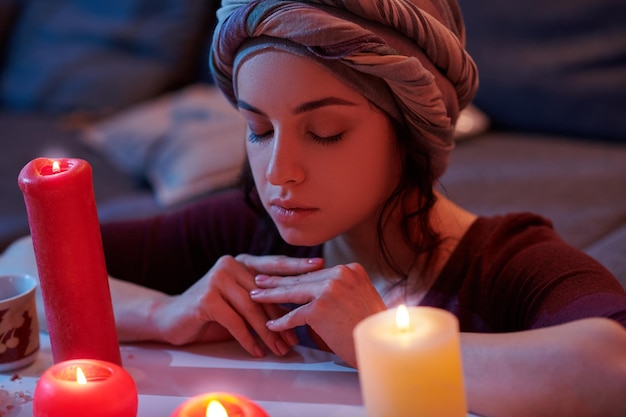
[(332, 302), (241, 297)]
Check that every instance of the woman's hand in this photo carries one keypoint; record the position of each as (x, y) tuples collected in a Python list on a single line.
[(219, 305), (333, 301)]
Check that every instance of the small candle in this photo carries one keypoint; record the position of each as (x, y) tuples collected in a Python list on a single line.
[(409, 363), (215, 404), (73, 278), (88, 387)]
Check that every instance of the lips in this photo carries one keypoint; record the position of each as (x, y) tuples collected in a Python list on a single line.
[(289, 211)]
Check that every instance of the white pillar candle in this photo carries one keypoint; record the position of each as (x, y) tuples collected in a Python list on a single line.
[(409, 363)]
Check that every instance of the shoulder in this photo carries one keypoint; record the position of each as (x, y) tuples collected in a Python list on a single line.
[(519, 273), (498, 242), (524, 240), (512, 229), (524, 245)]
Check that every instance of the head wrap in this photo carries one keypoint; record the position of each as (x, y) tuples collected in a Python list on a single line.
[(406, 56)]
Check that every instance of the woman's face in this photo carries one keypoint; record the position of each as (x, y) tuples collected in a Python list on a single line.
[(323, 158)]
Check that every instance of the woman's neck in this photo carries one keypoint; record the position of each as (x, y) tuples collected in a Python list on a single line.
[(448, 220)]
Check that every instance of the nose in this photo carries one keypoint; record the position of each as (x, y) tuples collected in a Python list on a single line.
[(285, 163)]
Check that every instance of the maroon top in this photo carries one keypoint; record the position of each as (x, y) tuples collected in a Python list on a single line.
[(508, 273)]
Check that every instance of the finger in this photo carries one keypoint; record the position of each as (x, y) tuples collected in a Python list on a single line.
[(296, 294), (255, 315), (229, 303), (237, 327), (279, 264), (295, 318), (233, 281), (274, 281), (289, 337), (228, 270), (274, 311)]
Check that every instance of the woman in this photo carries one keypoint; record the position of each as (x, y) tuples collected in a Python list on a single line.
[(350, 109)]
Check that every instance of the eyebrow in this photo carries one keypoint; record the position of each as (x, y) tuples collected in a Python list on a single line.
[(304, 107)]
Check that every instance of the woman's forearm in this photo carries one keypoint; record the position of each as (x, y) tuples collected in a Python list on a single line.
[(132, 304), (144, 314), (134, 308), (574, 369)]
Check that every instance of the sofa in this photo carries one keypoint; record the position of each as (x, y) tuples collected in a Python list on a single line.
[(124, 85)]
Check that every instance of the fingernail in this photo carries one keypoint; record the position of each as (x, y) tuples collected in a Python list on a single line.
[(315, 261), (255, 291), (281, 347), (260, 278)]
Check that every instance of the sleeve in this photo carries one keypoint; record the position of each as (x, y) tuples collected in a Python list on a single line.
[(170, 252), (539, 280)]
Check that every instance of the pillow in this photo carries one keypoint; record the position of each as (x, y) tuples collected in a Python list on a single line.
[(103, 55), (184, 144), (472, 122), (551, 66)]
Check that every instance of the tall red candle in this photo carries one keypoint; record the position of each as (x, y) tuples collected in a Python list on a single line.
[(73, 278)]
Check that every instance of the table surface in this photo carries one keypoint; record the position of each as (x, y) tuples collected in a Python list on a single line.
[(307, 382)]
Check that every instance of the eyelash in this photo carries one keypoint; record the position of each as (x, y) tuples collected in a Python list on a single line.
[(254, 138)]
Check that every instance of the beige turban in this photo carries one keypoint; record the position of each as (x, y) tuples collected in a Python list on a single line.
[(406, 56)]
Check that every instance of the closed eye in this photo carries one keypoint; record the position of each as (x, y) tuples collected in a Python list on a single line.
[(327, 140), (256, 138), (323, 140)]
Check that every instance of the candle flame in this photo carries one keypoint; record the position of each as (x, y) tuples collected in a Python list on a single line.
[(402, 318), (56, 167), (216, 409), (80, 376)]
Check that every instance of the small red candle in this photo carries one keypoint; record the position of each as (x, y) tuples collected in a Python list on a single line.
[(107, 390), (234, 405), (73, 278)]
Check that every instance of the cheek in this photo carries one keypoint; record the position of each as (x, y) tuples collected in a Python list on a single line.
[(379, 161), (257, 161), (381, 175), (391, 160)]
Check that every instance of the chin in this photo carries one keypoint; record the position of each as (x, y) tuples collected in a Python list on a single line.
[(300, 238)]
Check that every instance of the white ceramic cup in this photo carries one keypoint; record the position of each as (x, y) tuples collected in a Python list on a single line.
[(19, 330)]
